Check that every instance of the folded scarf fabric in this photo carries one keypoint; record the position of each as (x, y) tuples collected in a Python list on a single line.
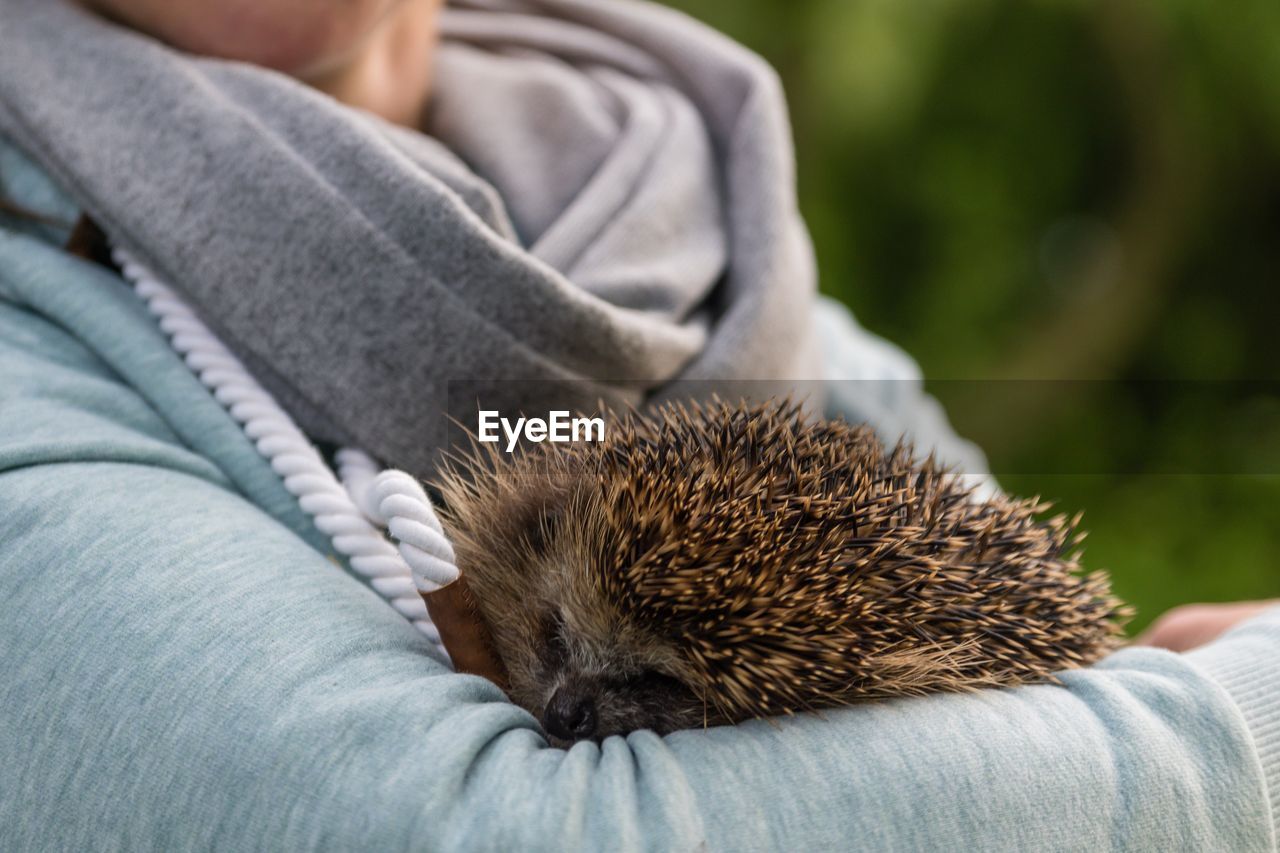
[(604, 194)]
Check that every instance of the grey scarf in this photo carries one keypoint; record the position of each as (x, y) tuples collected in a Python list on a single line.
[(604, 196)]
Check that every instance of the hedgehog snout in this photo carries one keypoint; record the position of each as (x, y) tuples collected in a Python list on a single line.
[(570, 715), (594, 706)]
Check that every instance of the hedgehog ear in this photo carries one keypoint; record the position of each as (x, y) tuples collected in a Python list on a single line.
[(529, 520), (542, 527)]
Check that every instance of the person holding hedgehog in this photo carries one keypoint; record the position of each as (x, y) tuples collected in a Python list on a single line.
[(381, 204)]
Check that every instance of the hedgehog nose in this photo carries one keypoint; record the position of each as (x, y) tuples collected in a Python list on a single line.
[(570, 716)]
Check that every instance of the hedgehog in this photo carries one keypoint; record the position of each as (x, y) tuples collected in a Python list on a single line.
[(707, 564)]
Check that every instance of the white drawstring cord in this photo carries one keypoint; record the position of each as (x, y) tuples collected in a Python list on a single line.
[(348, 512), (397, 501)]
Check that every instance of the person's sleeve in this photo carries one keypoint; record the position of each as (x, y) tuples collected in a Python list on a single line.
[(181, 670), (1246, 662)]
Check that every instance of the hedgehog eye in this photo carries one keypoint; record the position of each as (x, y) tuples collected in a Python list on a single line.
[(656, 684), (553, 647)]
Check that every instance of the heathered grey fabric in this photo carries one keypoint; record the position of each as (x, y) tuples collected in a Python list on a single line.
[(607, 194)]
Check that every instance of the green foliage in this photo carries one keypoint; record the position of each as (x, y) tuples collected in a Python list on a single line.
[(1065, 189)]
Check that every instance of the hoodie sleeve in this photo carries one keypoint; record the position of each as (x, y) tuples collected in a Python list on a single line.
[(184, 668)]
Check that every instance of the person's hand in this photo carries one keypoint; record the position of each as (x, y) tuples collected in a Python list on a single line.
[(1184, 628)]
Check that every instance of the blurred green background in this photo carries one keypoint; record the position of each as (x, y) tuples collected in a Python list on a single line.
[(1065, 189)]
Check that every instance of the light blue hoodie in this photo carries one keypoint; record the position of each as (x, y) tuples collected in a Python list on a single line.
[(184, 666)]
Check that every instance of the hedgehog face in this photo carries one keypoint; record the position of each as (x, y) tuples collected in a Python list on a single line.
[(594, 680), (578, 664), (535, 560)]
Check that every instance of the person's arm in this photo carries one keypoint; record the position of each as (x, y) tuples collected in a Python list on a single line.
[(182, 669)]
